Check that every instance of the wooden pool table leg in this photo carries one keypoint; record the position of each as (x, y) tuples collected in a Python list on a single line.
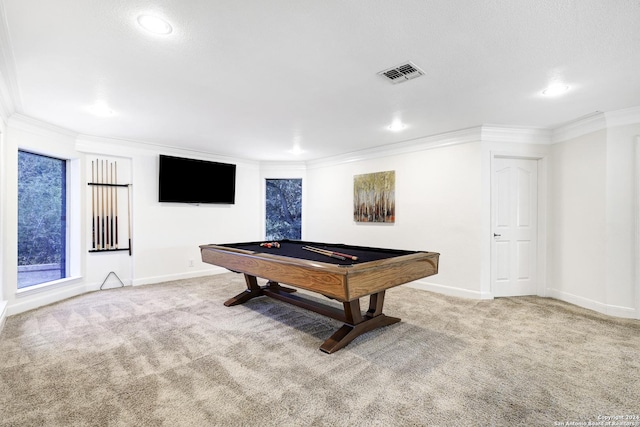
[(357, 324), (277, 287), (254, 290)]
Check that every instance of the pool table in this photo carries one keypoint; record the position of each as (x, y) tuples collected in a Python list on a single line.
[(333, 274)]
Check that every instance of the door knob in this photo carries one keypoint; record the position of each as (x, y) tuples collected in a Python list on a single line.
[(496, 235)]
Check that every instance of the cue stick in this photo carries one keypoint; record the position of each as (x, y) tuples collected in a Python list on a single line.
[(98, 205), (105, 169), (111, 204), (129, 217), (103, 203), (93, 211), (323, 252), (116, 193), (107, 203), (327, 252)]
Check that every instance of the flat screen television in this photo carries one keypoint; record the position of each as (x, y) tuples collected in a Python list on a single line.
[(184, 180)]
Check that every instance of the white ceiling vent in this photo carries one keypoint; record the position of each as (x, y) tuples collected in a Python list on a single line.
[(402, 73)]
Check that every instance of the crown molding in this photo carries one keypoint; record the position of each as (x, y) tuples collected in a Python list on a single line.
[(29, 124), (7, 107), (624, 117), (286, 166), (125, 148), (581, 126), (9, 89), (516, 134), (489, 133), (462, 136), (595, 122)]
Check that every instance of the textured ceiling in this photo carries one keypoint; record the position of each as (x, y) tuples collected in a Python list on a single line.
[(254, 78)]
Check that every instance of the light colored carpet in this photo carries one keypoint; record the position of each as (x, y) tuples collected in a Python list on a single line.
[(171, 354)]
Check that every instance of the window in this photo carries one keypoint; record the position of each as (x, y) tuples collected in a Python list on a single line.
[(42, 219), (284, 209)]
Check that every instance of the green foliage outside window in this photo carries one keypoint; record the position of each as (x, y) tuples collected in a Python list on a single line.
[(41, 209), (284, 209)]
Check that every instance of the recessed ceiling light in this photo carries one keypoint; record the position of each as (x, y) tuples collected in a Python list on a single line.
[(555, 89), (397, 126), (296, 151), (101, 109), (154, 25)]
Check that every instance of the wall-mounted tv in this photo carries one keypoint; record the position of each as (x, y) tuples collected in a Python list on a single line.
[(184, 180)]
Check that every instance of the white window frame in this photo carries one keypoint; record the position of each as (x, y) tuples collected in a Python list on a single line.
[(73, 224)]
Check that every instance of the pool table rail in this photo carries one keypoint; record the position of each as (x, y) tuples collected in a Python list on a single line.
[(342, 282), (323, 278)]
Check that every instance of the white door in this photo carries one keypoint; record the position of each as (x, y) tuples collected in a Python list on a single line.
[(514, 220)]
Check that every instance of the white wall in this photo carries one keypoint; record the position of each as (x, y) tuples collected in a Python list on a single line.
[(443, 192), (593, 212), (442, 205), (621, 220), (166, 236), (438, 208), (577, 229), (3, 302)]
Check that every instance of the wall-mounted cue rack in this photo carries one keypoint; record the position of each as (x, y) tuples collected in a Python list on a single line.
[(105, 230)]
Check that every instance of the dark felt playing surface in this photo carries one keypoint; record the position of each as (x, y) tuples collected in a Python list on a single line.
[(293, 249)]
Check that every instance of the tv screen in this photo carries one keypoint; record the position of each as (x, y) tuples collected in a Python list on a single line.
[(196, 181)]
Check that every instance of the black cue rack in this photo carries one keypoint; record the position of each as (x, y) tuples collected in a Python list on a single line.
[(105, 232)]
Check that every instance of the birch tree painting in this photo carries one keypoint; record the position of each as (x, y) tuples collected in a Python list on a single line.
[(374, 197)]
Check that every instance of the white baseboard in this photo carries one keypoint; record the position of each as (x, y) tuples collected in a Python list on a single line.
[(3, 314), (608, 309), (45, 296), (448, 290), (35, 300), (179, 276)]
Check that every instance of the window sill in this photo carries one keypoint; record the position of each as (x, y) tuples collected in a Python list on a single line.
[(43, 287)]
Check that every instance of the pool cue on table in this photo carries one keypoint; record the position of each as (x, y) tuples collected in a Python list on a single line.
[(329, 253), (324, 252), (116, 193)]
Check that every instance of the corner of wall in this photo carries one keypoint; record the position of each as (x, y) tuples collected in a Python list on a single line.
[(3, 314), (637, 225)]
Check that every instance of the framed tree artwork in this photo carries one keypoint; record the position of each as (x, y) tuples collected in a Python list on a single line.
[(374, 198)]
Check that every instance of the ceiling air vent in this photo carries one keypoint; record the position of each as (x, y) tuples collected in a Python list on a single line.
[(402, 73)]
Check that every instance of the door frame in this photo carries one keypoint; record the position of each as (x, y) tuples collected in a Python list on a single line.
[(542, 201)]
